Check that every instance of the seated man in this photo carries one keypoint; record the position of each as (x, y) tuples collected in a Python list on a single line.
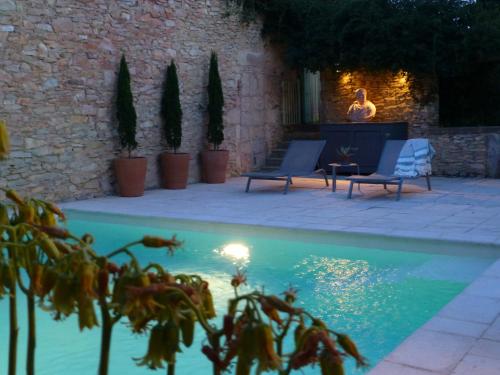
[(361, 110)]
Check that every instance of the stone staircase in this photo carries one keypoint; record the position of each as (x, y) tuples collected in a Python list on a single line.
[(273, 161)]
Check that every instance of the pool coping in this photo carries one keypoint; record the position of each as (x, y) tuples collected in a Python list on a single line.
[(364, 238), (462, 338), (454, 341)]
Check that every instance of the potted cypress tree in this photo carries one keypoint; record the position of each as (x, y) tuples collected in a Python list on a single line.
[(174, 166), (130, 171), (214, 161)]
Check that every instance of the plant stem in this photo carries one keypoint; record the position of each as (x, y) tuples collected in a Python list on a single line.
[(124, 249), (13, 327), (279, 342), (13, 331), (107, 330), (30, 357), (215, 343), (171, 369)]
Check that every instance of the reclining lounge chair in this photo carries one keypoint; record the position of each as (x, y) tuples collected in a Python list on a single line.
[(300, 160), (385, 174)]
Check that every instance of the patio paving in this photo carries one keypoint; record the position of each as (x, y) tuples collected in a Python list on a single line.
[(458, 209), (463, 338)]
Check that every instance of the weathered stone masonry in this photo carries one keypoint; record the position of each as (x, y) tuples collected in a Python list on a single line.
[(58, 69), (466, 151), (389, 92), (470, 151)]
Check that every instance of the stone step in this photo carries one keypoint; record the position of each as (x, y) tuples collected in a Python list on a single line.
[(275, 158), (266, 168), (278, 153), (303, 135), (274, 162)]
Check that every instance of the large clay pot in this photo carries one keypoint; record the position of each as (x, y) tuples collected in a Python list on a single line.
[(174, 170), (214, 166), (130, 176)]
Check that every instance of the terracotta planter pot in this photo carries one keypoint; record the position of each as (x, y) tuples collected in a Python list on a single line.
[(174, 170), (130, 176), (214, 166)]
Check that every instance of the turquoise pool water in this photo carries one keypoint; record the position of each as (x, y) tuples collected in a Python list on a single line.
[(377, 296)]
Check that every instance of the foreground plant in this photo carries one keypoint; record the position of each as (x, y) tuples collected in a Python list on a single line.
[(4, 141), (66, 276), (253, 332), (25, 249)]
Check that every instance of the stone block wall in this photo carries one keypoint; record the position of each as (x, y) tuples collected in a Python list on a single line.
[(58, 68), (493, 162), (466, 151), (388, 91)]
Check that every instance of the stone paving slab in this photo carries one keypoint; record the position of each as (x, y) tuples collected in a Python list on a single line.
[(463, 338), (456, 327), (476, 365), (486, 348), (460, 209), (432, 351), (493, 332), (472, 309), (389, 368)]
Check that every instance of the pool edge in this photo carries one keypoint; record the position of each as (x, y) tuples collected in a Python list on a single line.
[(426, 342), (363, 238)]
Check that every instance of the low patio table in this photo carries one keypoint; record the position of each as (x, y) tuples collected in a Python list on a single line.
[(334, 172)]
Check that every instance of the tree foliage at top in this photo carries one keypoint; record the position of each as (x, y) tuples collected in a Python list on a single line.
[(171, 111), (125, 111), (215, 104), (443, 39), (419, 36)]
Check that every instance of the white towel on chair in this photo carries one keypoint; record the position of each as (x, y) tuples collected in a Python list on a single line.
[(415, 158)]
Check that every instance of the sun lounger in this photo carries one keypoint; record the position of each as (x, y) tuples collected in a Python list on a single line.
[(385, 174), (300, 160)]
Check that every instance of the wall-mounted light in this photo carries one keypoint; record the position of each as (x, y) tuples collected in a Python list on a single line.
[(402, 77), (345, 78)]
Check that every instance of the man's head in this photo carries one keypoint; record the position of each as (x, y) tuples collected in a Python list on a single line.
[(360, 95)]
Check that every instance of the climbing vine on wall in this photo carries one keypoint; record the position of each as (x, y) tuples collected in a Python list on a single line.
[(441, 39)]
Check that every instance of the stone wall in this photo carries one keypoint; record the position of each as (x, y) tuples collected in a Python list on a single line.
[(388, 91), (493, 162), (467, 151), (58, 76)]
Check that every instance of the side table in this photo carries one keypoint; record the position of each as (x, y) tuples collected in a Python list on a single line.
[(334, 172)]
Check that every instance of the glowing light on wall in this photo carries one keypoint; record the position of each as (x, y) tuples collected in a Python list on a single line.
[(345, 78), (402, 78)]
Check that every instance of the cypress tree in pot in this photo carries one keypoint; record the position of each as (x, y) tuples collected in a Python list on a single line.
[(130, 171), (214, 161), (174, 166)]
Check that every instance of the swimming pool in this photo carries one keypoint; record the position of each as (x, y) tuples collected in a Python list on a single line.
[(376, 295)]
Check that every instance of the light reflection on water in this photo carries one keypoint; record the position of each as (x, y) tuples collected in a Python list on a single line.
[(378, 297), (237, 253)]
